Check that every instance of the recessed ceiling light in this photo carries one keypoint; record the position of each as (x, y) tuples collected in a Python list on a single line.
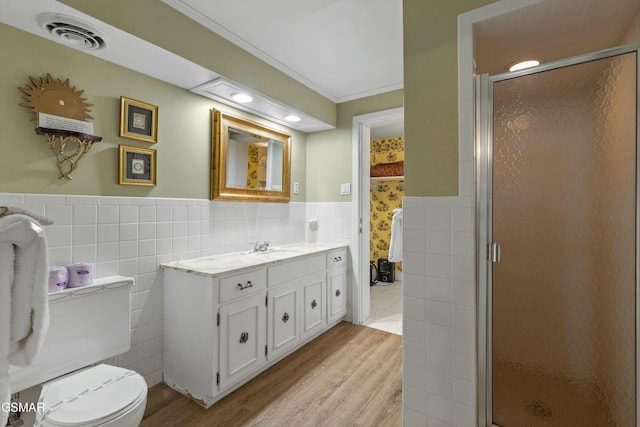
[(220, 89), (522, 64), (242, 98), (292, 118)]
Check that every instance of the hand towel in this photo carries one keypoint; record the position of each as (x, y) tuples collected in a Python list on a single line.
[(24, 306), (6, 281), (12, 210), (395, 243)]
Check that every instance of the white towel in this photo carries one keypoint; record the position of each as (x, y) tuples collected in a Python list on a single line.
[(12, 210), (24, 307), (395, 243)]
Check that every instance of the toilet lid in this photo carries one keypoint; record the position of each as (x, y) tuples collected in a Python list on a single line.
[(91, 395)]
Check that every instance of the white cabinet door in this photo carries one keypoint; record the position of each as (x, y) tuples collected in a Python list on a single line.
[(242, 338), (337, 299), (313, 306), (284, 319)]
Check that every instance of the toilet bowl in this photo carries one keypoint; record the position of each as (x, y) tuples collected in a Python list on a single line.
[(102, 395)]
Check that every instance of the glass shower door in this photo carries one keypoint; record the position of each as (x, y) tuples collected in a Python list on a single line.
[(563, 202)]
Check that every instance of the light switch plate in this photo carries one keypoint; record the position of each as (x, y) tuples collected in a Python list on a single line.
[(345, 189)]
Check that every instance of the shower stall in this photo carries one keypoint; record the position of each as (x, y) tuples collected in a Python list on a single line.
[(557, 217)]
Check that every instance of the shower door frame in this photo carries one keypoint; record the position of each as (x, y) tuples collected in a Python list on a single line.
[(484, 217)]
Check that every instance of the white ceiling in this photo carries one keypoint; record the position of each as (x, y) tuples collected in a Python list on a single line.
[(342, 49), (387, 128), (552, 29)]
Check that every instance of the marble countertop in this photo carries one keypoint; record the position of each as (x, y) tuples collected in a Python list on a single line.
[(221, 264)]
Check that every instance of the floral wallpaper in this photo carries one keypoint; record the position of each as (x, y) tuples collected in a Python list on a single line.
[(386, 195), (387, 150), (252, 167), (256, 166)]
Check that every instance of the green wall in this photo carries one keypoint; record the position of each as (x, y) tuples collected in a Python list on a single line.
[(431, 94), (184, 131), (329, 153)]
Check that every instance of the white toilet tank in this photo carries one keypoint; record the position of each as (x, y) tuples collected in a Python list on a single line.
[(87, 325)]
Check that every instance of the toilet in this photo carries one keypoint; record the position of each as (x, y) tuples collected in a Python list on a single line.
[(103, 395), (86, 326)]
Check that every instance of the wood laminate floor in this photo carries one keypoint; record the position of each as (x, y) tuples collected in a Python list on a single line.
[(349, 376)]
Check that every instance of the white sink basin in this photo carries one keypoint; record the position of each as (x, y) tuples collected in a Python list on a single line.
[(214, 262), (271, 251), (273, 254)]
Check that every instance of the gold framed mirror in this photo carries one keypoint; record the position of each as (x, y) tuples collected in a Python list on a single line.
[(250, 162)]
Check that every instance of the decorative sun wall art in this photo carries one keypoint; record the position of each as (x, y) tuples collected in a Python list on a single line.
[(53, 96), (62, 113)]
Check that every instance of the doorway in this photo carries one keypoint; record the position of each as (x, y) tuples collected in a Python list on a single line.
[(558, 220), (386, 191), (362, 133)]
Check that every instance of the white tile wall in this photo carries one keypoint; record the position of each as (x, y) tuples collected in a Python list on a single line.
[(439, 302), (334, 220), (132, 236)]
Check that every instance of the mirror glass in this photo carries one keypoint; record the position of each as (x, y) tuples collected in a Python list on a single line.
[(250, 162)]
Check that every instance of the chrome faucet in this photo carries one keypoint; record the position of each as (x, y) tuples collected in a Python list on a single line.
[(261, 246)]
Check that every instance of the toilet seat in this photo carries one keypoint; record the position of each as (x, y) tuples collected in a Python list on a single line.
[(91, 397)]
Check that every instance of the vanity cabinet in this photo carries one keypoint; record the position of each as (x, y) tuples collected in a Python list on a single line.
[(283, 321), (313, 307), (223, 328), (307, 279), (337, 284), (242, 338)]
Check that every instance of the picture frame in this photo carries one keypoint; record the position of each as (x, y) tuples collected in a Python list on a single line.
[(136, 166), (138, 120)]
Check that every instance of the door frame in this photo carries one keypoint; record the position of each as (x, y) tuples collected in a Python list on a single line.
[(484, 166), (360, 170)]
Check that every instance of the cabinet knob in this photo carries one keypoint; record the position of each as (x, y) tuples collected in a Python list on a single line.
[(338, 292), (314, 304), (337, 259), (285, 317), (248, 285), (244, 337)]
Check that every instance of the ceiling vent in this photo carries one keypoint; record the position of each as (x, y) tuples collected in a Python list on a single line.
[(72, 31)]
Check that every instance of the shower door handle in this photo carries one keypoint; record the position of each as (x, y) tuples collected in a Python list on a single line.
[(494, 252)]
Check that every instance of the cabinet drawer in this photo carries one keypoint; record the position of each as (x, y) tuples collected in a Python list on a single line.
[(288, 271), (242, 284), (337, 258)]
